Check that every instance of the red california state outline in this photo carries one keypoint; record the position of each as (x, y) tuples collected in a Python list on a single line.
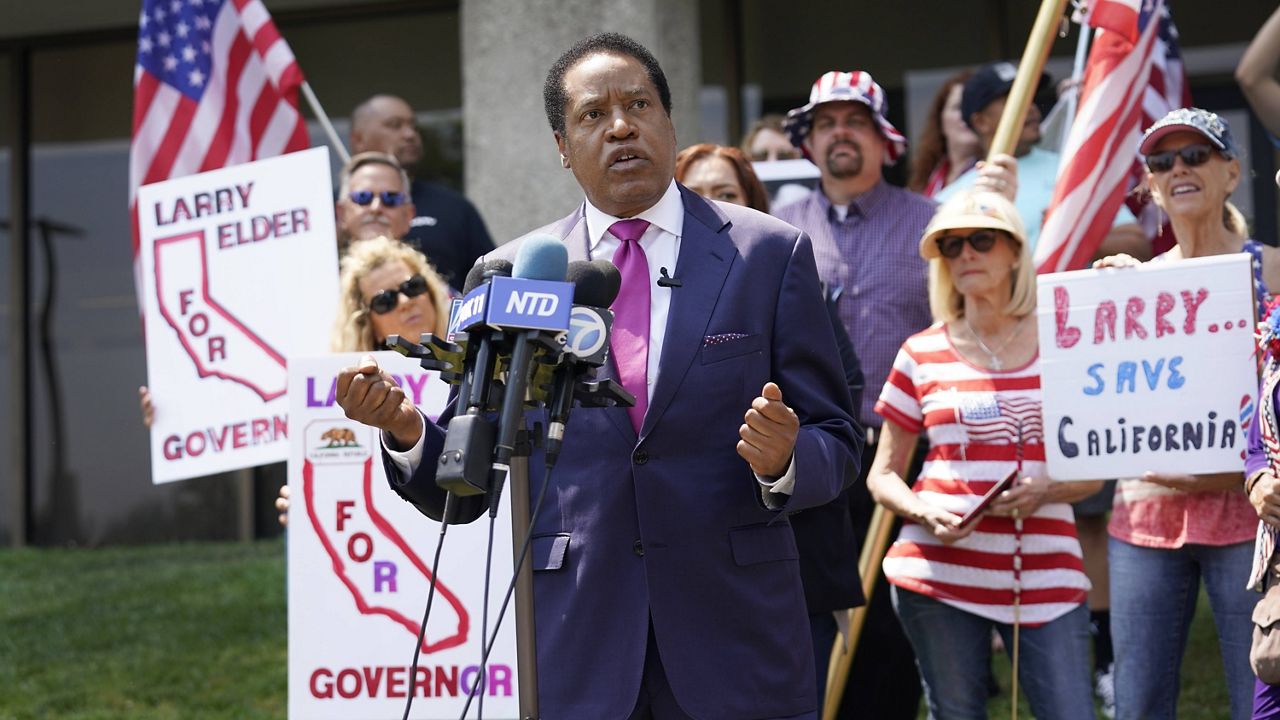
[(388, 531), (267, 394)]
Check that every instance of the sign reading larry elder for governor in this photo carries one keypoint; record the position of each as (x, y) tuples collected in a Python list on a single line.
[(1148, 368), (360, 569), (239, 272)]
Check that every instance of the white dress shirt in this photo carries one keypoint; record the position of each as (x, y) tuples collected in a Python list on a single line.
[(661, 244)]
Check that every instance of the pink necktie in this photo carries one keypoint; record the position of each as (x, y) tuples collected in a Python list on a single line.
[(630, 339)]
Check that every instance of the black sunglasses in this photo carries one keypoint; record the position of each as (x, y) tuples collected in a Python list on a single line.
[(1192, 155), (389, 198), (952, 245), (387, 300)]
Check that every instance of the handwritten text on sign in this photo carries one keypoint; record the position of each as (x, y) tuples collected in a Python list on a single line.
[(1148, 368)]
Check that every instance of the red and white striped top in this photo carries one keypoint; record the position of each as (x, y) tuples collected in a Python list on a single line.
[(972, 417)]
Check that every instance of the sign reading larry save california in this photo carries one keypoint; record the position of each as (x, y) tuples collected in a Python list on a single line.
[(1148, 368)]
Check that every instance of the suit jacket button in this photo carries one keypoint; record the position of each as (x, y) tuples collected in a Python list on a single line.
[(640, 457), (638, 548)]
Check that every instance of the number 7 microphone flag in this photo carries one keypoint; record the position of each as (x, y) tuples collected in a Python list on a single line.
[(215, 85), (1132, 77)]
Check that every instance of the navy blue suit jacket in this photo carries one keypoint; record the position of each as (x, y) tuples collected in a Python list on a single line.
[(669, 527)]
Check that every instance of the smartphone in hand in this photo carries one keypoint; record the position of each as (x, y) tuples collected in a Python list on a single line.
[(995, 490)]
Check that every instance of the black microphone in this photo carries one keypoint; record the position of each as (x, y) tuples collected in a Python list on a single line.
[(540, 308), (470, 440), (667, 281), (595, 285)]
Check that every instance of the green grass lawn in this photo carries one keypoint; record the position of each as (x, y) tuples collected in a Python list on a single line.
[(168, 631), (198, 631)]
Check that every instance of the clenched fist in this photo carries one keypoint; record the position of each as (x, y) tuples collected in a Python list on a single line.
[(769, 433), (369, 395)]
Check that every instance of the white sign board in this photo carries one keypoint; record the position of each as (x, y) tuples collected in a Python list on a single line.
[(359, 564), (239, 272), (1148, 368)]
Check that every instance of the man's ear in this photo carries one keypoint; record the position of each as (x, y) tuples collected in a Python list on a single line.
[(357, 141), (563, 148)]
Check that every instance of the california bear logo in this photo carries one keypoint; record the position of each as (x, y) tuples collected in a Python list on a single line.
[(339, 437)]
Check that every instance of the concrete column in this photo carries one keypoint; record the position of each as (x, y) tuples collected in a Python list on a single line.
[(513, 172)]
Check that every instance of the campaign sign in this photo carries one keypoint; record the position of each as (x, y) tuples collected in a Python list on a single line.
[(1148, 368), (360, 570), (239, 272)]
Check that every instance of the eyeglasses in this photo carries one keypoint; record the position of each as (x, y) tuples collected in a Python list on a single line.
[(389, 198), (387, 300), (952, 245), (1192, 155)]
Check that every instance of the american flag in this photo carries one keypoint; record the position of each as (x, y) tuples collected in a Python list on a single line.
[(994, 419), (1134, 76), (215, 85)]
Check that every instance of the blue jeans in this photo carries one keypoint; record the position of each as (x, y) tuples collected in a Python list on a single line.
[(953, 652), (1153, 598)]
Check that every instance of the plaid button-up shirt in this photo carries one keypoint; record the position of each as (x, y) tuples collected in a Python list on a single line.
[(873, 255)]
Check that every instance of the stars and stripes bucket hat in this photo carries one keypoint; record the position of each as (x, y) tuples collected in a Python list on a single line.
[(855, 86)]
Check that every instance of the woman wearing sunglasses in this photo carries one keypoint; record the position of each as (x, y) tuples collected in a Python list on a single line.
[(971, 383), (1170, 531), (387, 288)]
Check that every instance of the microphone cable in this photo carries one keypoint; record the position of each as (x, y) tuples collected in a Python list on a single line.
[(431, 596), (511, 588)]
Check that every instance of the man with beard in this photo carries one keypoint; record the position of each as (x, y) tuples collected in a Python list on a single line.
[(982, 104), (443, 225), (373, 199), (865, 236)]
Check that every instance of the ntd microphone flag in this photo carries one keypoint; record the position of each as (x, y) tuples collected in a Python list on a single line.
[(529, 304), (515, 303)]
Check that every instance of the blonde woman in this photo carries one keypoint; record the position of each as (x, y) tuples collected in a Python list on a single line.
[(971, 383), (387, 288)]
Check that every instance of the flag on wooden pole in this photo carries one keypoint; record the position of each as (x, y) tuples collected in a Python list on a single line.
[(1128, 84)]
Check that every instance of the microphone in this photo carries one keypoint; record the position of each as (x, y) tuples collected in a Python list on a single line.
[(540, 258), (596, 286), (667, 281), (508, 322)]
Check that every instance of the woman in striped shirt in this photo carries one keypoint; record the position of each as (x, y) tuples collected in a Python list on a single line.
[(971, 382)]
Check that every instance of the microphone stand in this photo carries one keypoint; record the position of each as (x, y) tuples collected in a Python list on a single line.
[(526, 639)]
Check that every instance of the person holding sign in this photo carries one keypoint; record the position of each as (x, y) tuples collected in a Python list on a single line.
[(387, 288), (971, 382), (1170, 530)]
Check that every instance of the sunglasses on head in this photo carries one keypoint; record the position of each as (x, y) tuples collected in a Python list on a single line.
[(1192, 156), (387, 300), (389, 198), (952, 245)]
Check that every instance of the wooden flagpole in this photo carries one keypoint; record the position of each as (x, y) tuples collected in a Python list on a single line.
[(873, 549), (1029, 69)]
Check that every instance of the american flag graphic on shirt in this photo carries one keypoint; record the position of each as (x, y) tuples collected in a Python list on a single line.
[(991, 418)]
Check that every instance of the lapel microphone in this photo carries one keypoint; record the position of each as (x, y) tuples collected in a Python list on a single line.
[(667, 281)]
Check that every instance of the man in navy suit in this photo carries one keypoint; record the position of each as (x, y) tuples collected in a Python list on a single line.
[(666, 578)]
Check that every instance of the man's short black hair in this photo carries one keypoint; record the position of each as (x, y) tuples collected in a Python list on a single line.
[(553, 95)]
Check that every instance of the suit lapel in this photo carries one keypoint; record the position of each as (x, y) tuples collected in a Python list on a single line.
[(706, 253)]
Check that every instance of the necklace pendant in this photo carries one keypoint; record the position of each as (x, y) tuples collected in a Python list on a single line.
[(996, 364)]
